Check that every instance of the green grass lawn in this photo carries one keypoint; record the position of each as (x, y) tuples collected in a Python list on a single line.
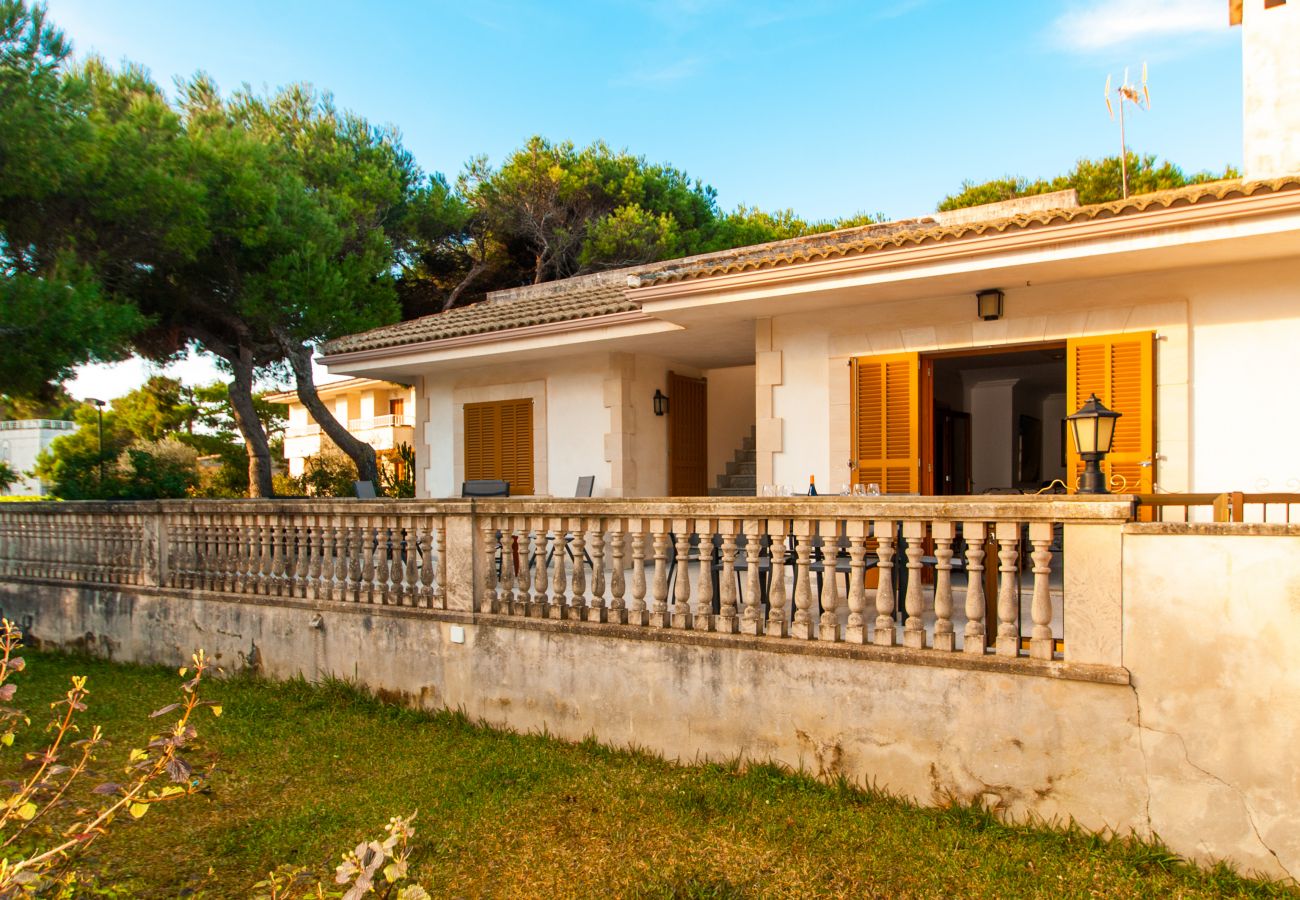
[(305, 771)]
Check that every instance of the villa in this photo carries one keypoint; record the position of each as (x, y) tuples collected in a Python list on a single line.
[(974, 629)]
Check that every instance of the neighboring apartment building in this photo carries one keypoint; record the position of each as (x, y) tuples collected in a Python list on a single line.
[(21, 441), (378, 412)]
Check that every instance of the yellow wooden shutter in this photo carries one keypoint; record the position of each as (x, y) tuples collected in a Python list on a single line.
[(1120, 370), (886, 422), (499, 443), (480, 457), (517, 445)]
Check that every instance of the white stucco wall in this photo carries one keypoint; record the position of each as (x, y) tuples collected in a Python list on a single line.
[(1226, 350), (1270, 81), (731, 414), (569, 421)]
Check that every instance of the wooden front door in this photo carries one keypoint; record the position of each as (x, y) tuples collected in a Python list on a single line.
[(688, 444)]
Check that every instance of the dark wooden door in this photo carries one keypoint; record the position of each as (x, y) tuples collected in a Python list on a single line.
[(952, 452), (688, 444)]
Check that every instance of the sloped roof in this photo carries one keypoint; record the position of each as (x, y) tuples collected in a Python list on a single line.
[(603, 293), (853, 241), (556, 301)]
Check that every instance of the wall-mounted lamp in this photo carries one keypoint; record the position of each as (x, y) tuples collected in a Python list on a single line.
[(1094, 434), (989, 304), (661, 403)]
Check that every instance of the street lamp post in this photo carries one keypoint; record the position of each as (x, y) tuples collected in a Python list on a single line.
[(99, 410)]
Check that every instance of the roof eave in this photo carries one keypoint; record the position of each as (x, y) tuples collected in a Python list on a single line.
[(974, 246), (505, 335)]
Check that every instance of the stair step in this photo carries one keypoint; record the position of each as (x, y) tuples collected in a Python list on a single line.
[(731, 492)]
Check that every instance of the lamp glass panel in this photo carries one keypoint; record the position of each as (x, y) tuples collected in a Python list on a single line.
[(1105, 432), (1085, 434)]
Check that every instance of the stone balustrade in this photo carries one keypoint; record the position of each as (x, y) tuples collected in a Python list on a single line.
[(1002, 576)]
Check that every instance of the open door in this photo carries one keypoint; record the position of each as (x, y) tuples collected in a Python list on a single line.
[(688, 431), (886, 422), (1120, 370)]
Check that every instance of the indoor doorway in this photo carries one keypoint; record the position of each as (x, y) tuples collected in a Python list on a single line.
[(997, 421)]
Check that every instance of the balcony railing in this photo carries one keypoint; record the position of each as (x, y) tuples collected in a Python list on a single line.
[(940, 575), (47, 424), (354, 425)]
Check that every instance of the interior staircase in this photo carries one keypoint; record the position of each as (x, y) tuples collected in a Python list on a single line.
[(741, 477)]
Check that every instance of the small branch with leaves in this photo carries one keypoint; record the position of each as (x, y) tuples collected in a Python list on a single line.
[(41, 829)]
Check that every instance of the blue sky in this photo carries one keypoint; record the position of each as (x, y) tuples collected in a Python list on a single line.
[(827, 107)]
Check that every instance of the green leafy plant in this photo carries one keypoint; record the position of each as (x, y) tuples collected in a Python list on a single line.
[(376, 866), (47, 820)]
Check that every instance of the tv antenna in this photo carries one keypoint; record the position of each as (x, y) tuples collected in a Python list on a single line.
[(1140, 97)]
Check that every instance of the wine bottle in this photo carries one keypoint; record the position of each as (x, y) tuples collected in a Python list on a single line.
[(812, 485)]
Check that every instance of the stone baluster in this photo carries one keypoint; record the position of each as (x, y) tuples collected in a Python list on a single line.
[(396, 564), (886, 634), (778, 610), (302, 570), (355, 556), (559, 576), (914, 601), (682, 617), (974, 534), (637, 614), (828, 626), (617, 580), (266, 557), (409, 560), (370, 567), (539, 608), (1008, 534), (422, 557), (1041, 644), (285, 562), (383, 591), (519, 563), (440, 565), (239, 554), (751, 615), (727, 620), (703, 620), (509, 602), (855, 631), (331, 564), (803, 627), (942, 534), (659, 603), (596, 612), (315, 567), (488, 537), (578, 583), (227, 557)]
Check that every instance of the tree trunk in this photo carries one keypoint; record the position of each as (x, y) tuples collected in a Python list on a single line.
[(250, 426), (361, 453)]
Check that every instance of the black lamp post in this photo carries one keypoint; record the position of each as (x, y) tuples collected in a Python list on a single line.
[(1094, 433), (99, 410)]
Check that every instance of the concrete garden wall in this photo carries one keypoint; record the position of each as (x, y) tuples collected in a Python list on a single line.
[(1192, 739)]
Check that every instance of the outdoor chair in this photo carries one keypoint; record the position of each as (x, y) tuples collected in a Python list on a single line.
[(477, 489)]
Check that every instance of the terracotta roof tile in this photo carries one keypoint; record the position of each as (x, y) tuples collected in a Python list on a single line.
[(871, 238), (557, 301)]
